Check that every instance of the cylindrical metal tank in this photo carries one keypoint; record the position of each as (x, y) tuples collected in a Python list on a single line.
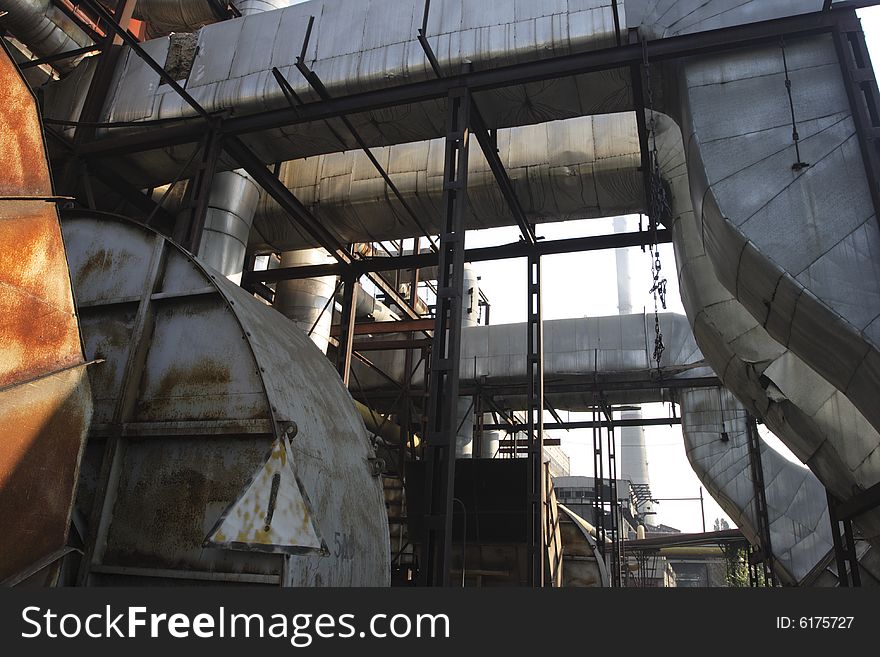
[(224, 447)]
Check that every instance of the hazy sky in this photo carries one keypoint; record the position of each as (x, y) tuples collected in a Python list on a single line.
[(594, 293)]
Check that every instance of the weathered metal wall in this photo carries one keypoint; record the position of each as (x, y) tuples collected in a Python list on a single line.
[(224, 447), (45, 404)]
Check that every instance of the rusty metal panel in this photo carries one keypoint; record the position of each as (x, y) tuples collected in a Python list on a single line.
[(45, 404), (170, 494), (198, 366), (22, 152), (201, 380), (43, 424), (114, 266), (38, 329), (106, 336), (331, 451)]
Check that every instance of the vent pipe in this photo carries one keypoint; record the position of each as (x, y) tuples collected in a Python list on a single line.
[(231, 208)]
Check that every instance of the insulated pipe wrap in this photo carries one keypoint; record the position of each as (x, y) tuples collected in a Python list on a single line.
[(231, 207), (44, 29), (304, 300)]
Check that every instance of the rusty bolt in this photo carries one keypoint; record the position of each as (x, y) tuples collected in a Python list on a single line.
[(291, 429)]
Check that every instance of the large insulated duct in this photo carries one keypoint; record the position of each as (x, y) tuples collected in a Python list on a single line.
[(44, 29), (814, 419), (357, 46), (231, 206), (820, 299), (585, 167), (166, 16), (714, 426), (308, 301), (224, 447)]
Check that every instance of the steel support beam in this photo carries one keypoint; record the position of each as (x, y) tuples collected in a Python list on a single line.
[(535, 546), (57, 57), (586, 385), (316, 84), (489, 147), (765, 553), (599, 484), (379, 328), (445, 366), (188, 232), (844, 547), (613, 502), (863, 95), (484, 254), (587, 424)]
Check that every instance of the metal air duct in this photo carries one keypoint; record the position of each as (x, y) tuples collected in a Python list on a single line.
[(231, 206), (44, 29), (307, 302)]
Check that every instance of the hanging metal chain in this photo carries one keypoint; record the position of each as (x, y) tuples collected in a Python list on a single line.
[(659, 208)]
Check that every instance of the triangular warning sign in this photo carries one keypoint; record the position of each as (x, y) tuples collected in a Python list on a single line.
[(272, 515)]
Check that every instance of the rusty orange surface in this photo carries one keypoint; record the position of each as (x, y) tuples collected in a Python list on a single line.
[(43, 423), (24, 170), (38, 328), (45, 403)]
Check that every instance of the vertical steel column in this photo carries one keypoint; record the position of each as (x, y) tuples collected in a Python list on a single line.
[(535, 419), (762, 517), (863, 95), (446, 352), (477, 446), (598, 483), (613, 501), (188, 231), (350, 287), (844, 547), (851, 549)]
